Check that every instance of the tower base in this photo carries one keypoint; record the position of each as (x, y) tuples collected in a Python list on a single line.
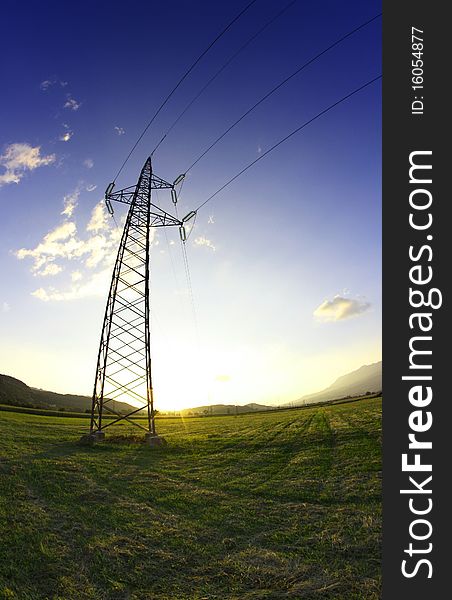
[(92, 438), (154, 440)]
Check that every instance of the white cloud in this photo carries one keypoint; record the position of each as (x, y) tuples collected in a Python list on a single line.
[(71, 103), (91, 251), (61, 233), (5, 307), (70, 202), (44, 85), (88, 163), (99, 220), (19, 158), (50, 269), (81, 257), (95, 286), (202, 241), (47, 83), (76, 275), (120, 130), (41, 294), (96, 248), (64, 244), (59, 243), (340, 308), (66, 136)]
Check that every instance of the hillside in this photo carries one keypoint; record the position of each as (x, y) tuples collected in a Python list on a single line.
[(17, 393), (367, 378)]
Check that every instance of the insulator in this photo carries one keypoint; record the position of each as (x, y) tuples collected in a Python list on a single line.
[(109, 206), (179, 179), (173, 196), (182, 233), (190, 215), (109, 189)]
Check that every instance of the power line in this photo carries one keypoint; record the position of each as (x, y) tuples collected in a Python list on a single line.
[(173, 268), (190, 289), (227, 63), (286, 138), (272, 91), (184, 76)]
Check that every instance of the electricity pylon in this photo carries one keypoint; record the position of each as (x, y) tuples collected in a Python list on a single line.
[(123, 372)]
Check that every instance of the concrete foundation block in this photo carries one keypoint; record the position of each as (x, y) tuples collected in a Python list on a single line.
[(154, 440), (92, 438)]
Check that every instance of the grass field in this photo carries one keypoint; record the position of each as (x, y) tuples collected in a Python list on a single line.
[(249, 507)]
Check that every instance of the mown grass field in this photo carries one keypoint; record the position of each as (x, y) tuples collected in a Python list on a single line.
[(273, 505)]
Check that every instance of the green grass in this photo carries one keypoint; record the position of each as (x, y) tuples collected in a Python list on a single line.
[(271, 505)]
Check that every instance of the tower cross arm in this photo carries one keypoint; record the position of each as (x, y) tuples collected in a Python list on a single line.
[(126, 194), (160, 218), (160, 184)]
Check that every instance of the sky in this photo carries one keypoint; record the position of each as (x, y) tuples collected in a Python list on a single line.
[(285, 263)]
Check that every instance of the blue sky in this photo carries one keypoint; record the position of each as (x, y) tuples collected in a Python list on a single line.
[(285, 262)]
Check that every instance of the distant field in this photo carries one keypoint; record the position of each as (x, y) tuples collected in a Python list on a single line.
[(260, 506)]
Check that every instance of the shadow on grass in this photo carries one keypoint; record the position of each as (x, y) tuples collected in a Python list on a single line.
[(116, 445)]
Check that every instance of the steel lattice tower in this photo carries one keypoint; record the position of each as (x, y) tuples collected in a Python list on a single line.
[(123, 371)]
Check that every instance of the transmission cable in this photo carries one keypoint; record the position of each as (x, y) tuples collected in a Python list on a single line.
[(227, 63), (272, 91), (190, 290), (305, 124), (184, 76)]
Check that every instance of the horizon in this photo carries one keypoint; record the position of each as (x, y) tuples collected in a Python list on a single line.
[(286, 403)]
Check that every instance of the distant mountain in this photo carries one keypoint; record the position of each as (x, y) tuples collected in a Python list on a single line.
[(16, 393), (367, 378), (224, 409)]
